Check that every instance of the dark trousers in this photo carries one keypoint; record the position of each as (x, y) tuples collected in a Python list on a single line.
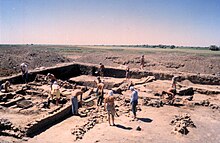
[(100, 100), (25, 77), (133, 107), (74, 105)]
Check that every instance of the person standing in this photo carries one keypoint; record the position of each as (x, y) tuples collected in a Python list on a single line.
[(142, 62), (97, 81), (24, 71), (74, 100), (127, 74), (110, 106), (52, 79), (100, 93), (101, 69), (55, 92), (134, 101)]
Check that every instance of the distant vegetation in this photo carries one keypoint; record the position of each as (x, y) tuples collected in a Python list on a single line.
[(214, 48), (211, 47)]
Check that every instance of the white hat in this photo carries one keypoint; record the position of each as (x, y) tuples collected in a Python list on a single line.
[(132, 88), (48, 74), (55, 83), (23, 64), (110, 93)]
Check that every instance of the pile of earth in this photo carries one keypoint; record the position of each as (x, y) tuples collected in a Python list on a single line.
[(12, 56)]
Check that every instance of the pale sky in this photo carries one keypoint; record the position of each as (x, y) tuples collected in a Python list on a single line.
[(88, 22)]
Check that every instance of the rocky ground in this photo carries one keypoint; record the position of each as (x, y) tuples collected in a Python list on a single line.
[(35, 57)]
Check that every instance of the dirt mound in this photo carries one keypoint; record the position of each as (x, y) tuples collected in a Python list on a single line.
[(12, 56)]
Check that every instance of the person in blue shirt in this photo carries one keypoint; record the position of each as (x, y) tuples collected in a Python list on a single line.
[(134, 101)]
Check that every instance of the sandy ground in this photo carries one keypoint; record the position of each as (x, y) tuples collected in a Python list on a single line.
[(154, 123)]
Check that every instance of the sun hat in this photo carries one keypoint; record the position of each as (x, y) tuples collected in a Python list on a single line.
[(110, 93), (132, 88)]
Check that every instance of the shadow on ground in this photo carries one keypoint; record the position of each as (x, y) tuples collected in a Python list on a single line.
[(147, 120), (123, 127)]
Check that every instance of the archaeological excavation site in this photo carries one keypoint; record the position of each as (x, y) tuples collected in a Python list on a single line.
[(194, 114)]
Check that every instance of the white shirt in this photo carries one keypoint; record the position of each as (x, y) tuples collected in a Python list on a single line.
[(24, 68)]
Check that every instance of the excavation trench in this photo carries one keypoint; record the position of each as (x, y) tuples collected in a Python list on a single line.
[(72, 70), (40, 119)]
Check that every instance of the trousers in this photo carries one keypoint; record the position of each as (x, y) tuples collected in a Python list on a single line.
[(74, 105)]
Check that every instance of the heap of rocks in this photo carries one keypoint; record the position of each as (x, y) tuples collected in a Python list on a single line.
[(181, 123), (81, 130), (207, 103), (214, 106), (41, 79), (8, 129), (153, 103), (95, 117)]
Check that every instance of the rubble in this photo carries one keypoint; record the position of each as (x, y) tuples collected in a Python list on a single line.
[(152, 102), (207, 103), (181, 124), (95, 117), (8, 129)]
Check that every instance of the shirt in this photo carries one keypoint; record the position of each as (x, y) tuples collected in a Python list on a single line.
[(24, 69), (134, 96)]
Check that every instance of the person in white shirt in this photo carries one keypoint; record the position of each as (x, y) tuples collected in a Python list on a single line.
[(134, 101), (24, 71)]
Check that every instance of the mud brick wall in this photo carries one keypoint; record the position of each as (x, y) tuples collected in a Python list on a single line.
[(113, 72), (42, 124), (72, 70), (64, 72)]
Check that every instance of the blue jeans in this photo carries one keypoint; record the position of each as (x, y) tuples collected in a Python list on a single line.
[(74, 105), (133, 107)]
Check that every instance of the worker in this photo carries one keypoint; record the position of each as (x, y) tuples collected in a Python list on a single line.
[(24, 72), (52, 79), (171, 92), (110, 106), (127, 74), (101, 69), (55, 92), (142, 62), (5, 87), (134, 101), (74, 99), (100, 93)]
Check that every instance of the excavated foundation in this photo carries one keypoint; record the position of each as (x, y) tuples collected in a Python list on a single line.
[(25, 107), (72, 70)]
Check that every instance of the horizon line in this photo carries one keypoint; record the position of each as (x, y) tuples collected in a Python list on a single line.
[(32, 44)]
